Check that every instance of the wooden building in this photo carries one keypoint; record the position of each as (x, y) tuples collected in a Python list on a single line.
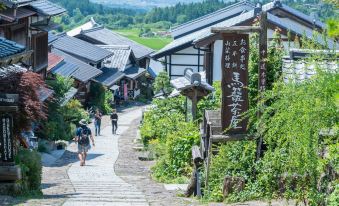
[(26, 22), (94, 33), (121, 73), (81, 60), (195, 47)]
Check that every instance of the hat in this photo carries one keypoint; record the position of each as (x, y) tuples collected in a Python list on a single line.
[(83, 122)]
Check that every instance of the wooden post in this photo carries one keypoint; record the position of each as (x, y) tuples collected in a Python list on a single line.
[(195, 104), (262, 73)]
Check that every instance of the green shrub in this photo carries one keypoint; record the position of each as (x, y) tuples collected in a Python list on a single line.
[(30, 163), (177, 160), (100, 97), (163, 119), (234, 159), (73, 112)]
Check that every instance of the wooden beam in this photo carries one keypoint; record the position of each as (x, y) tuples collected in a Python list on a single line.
[(9, 108), (235, 29), (10, 173), (196, 156)]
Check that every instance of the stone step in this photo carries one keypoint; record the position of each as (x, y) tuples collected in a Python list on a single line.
[(111, 193), (100, 203), (109, 196), (113, 200), (108, 190)]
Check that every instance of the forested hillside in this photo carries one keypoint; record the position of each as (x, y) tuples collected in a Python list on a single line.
[(167, 16), (144, 23)]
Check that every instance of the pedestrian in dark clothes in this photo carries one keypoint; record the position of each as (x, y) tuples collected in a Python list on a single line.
[(97, 122), (114, 119)]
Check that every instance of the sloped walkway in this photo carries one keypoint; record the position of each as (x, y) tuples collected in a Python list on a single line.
[(96, 183)]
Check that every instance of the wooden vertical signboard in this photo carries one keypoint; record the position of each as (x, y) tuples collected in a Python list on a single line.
[(263, 53), (6, 141), (7, 103), (262, 80), (234, 83)]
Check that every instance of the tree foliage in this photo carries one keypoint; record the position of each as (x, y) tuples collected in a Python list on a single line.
[(27, 85), (62, 119), (162, 84)]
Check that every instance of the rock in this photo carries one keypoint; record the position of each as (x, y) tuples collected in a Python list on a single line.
[(233, 184)]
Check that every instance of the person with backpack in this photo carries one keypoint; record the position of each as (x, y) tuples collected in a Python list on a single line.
[(114, 119), (83, 136)]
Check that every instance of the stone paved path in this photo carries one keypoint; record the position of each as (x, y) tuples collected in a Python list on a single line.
[(96, 183)]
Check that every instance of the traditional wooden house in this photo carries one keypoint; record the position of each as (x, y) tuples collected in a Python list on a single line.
[(121, 72), (81, 60), (97, 34), (195, 47), (81, 72), (27, 22)]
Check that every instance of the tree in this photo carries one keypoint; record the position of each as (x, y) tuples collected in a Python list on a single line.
[(27, 85), (162, 84)]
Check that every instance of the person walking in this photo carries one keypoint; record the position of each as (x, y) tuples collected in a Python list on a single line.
[(83, 136), (114, 119), (97, 122)]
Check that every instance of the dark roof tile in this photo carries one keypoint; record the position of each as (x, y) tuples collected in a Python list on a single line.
[(108, 37), (85, 72), (134, 72), (9, 48), (47, 8), (109, 76), (80, 49), (120, 57)]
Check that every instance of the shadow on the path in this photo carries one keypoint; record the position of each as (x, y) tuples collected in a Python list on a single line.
[(129, 105), (72, 157)]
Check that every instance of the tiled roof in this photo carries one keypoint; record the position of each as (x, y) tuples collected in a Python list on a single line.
[(53, 60), (17, 3), (8, 48), (120, 57), (212, 18), (89, 25), (108, 37), (65, 69), (186, 41), (51, 37), (68, 96), (11, 69), (47, 8), (134, 72), (299, 14), (85, 71), (155, 67), (44, 93), (294, 28), (80, 49), (190, 79), (8, 15), (109, 76)]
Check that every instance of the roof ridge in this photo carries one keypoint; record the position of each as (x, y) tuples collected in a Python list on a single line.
[(126, 47), (215, 12), (96, 28)]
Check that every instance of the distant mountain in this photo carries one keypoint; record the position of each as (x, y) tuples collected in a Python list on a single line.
[(144, 4)]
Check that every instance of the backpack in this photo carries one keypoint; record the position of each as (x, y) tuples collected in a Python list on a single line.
[(84, 136)]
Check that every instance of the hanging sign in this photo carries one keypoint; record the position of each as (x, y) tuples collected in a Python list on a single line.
[(9, 99), (235, 82), (6, 138)]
